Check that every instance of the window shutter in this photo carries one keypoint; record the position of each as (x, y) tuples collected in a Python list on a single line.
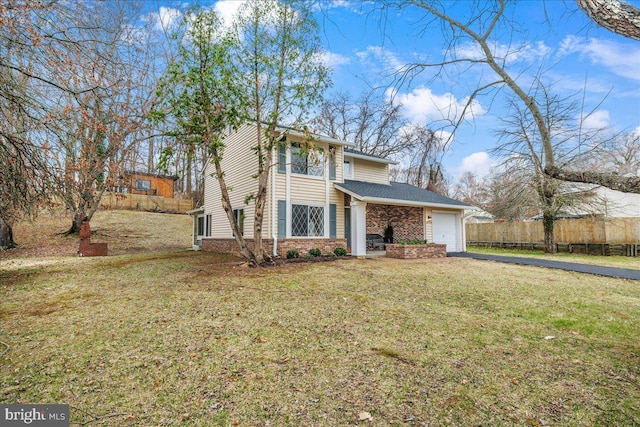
[(282, 218), (282, 159), (332, 163), (332, 220)]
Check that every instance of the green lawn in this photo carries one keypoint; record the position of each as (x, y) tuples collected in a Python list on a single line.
[(187, 338), (609, 261)]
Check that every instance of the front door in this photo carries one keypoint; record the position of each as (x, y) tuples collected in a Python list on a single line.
[(347, 225)]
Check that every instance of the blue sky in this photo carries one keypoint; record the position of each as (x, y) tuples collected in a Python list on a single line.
[(364, 51)]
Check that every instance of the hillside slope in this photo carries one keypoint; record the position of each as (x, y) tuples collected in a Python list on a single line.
[(124, 231)]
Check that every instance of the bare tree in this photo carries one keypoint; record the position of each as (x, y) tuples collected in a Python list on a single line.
[(614, 15), (478, 26), (523, 151), (96, 129), (510, 195), (623, 155), (472, 190), (34, 39), (371, 122), (423, 159)]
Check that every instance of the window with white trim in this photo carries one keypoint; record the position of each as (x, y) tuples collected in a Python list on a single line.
[(207, 231), (348, 169), (239, 216), (311, 163), (307, 221), (200, 227)]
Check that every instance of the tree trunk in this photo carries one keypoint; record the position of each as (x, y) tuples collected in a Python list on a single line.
[(189, 173), (614, 15), (548, 221), (6, 236), (226, 204), (261, 198), (79, 216), (85, 206), (150, 164)]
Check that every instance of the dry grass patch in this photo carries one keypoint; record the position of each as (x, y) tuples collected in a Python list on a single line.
[(197, 339), (125, 231)]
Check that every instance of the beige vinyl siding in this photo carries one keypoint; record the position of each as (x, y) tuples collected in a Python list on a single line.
[(339, 164), (367, 171), (307, 190), (428, 228), (239, 164), (337, 197)]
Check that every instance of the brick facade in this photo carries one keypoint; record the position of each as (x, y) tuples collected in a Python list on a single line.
[(407, 221), (86, 247), (432, 250), (284, 245)]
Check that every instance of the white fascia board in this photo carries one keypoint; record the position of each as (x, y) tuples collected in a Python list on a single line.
[(321, 138), (383, 201), (195, 211), (370, 158)]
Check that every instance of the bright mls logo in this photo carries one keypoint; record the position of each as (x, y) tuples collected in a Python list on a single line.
[(34, 415)]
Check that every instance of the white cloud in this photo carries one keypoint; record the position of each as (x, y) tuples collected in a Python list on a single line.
[(422, 106), (381, 55), (622, 59), (333, 60), (599, 119), (527, 52), (479, 163), (227, 9), (165, 18)]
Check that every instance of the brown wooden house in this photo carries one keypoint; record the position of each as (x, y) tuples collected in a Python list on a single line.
[(145, 183)]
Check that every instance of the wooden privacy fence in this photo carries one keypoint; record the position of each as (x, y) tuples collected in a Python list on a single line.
[(144, 203), (616, 236)]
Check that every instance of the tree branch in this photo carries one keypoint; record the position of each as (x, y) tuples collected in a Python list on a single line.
[(626, 184), (614, 15)]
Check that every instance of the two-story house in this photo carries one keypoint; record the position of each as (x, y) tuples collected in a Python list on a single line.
[(322, 199)]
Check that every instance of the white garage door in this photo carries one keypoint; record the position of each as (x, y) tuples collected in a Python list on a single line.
[(444, 230)]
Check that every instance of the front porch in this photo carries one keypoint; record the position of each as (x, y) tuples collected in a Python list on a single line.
[(407, 222)]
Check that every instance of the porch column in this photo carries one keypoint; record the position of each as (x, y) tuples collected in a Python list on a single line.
[(358, 228)]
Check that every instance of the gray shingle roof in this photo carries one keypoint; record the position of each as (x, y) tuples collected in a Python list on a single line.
[(398, 192)]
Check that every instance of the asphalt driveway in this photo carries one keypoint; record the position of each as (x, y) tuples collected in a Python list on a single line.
[(622, 273)]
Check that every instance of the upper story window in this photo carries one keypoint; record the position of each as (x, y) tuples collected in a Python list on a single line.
[(348, 169), (311, 163)]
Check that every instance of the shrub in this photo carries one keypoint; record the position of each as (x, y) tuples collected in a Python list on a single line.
[(315, 252), (414, 242), (292, 253), (340, 252)]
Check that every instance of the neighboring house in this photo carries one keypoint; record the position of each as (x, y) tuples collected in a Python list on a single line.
[(325, 199), (144, 183), (616, 204), (478, 216), (603, 202)]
